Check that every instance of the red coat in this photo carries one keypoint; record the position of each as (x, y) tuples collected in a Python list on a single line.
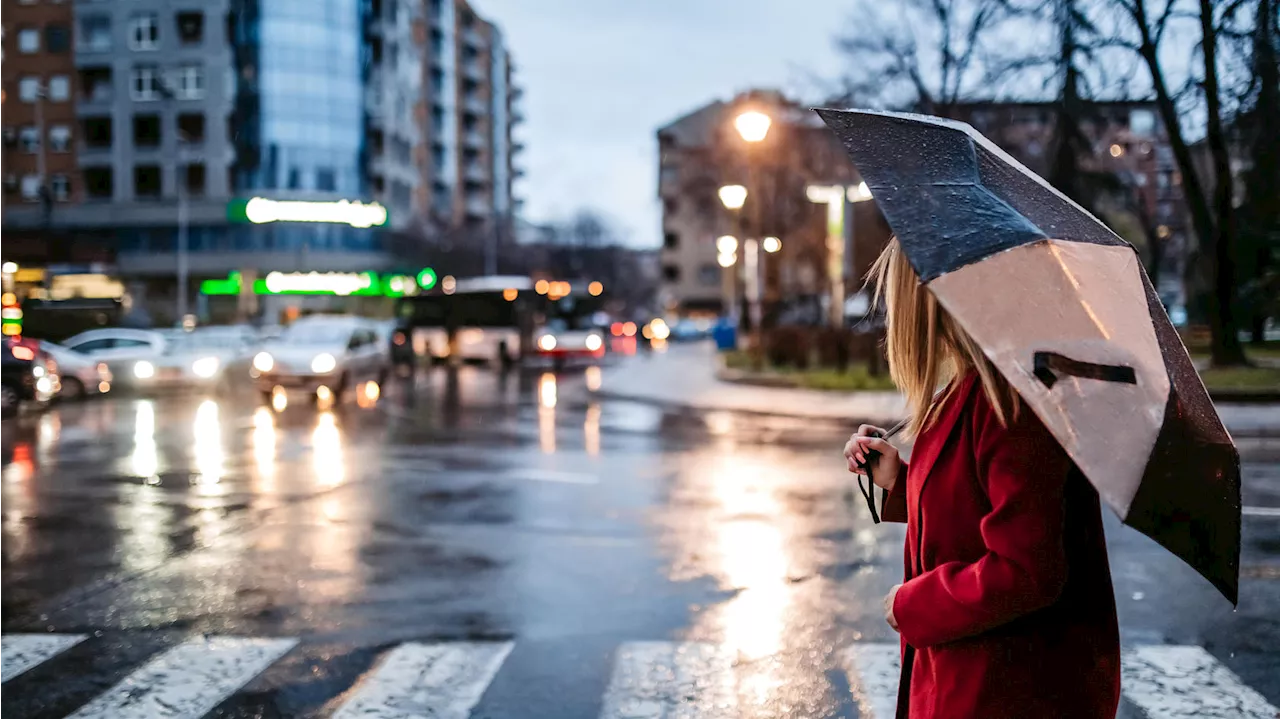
[(1007, 609)]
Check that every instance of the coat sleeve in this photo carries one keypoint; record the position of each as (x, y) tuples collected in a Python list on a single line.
[(895, 503), (1024, 472)]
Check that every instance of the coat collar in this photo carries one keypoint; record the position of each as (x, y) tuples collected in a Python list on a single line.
[(936, 436)]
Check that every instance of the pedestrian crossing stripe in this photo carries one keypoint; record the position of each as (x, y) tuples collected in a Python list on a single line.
[(648, 679), (20, 652)]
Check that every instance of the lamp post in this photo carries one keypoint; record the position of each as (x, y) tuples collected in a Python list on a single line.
[(752, 127)]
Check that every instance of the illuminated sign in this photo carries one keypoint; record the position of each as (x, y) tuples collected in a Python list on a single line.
[(261, 210), (342, 284)]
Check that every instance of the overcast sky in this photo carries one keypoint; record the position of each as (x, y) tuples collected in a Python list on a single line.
[(600, 76)]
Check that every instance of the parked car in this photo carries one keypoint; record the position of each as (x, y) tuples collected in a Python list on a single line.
[(335, 353), (79, 374), (28, 375), (129, 354)]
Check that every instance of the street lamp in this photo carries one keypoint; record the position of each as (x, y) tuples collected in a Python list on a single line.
[(733, 197), (771, 244), (752, 125)]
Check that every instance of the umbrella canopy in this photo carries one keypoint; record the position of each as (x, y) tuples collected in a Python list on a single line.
[(1065, 311)]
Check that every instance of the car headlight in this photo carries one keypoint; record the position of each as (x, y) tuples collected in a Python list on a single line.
[(37, 371), (144, 370), (44, 385), (546, 343), (205, 367), (594, 342), (323, 362), (263, 362)]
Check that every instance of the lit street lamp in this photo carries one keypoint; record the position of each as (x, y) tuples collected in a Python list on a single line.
[(771, 244), (753, 126), (733, 197)]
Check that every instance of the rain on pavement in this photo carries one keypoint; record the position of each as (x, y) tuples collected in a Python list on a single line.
[(471, 543)]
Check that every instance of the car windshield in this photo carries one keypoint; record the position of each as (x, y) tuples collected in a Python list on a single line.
[(315, 333), (205, 340)]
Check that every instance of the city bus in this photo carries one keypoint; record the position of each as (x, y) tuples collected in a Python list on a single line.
[(489, 319)]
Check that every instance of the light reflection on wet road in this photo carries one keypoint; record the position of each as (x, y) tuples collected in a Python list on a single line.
[(472, 506)]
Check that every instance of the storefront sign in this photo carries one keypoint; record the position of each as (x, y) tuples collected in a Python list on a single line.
[(342, 284), (261, 210)]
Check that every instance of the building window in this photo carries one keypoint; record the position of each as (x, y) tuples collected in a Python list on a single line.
[(670, 240), (59, 88), (96, 131), (671, 273), (670, 206), (28, 40), (146, 83), (144, 32), (60, 138), (146, 130), (325, 180), (29, 89), (1142, 123), (709, 275), (194, 179), (29, 139), (95, 33), (57, 38), (146, 181), (60, 186), (190, 27), (95, 84), (191, 128), (190, 82), (98, 183), (30, 187)]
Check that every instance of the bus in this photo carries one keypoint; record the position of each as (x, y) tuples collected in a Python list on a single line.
[(489, 319)]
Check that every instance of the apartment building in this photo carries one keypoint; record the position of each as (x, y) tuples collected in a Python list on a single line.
[(170, 115), (37, 90)]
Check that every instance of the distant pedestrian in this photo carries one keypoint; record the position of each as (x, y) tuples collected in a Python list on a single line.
[(1007, 608)]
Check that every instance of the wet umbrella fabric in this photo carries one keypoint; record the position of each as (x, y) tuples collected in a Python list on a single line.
[(1064, 309)]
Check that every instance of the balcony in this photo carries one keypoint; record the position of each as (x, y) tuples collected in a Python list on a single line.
[(475, 106), (473, 39), (374, 103), (473, 140), (475, 173), (477, 205), (472, 71)]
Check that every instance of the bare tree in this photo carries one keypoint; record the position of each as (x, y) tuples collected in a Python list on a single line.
[(1143, 28), (1260, 213), (921, 55)]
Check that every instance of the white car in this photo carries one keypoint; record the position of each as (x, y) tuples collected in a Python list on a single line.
[(79, 374), (324, 355), (560, 341), (208, 357), (130, 355)]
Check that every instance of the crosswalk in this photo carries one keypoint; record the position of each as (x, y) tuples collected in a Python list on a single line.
[(650, 679)]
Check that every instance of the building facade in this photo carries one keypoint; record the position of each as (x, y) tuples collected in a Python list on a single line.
[(701, 152), (37, 90), (178, 112)]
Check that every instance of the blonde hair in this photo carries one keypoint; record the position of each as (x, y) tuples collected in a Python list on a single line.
[(927, 347)]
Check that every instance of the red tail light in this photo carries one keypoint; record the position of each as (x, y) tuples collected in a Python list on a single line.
[(23, 353)]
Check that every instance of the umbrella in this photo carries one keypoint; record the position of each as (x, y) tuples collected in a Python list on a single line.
[(1065, 311)]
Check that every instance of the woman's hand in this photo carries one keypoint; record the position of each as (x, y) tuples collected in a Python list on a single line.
[(888, 607), (884, 468)]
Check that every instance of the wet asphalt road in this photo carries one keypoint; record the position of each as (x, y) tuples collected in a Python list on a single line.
[(469, 509)]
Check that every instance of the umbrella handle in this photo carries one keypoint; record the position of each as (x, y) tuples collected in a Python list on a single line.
[(868, 493)]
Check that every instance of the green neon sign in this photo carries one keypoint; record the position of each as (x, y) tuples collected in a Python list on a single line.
[(342, 284), (262, 210)]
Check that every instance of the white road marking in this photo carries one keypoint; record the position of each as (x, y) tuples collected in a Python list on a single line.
[(670, 679), (20, 652), (188, 680), (442, 681), (1260, 511), (873, 671), (1173, 682)]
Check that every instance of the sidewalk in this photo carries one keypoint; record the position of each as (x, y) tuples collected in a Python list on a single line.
[(684, 377)]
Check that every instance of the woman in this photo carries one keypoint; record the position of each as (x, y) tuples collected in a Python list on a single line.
[(1007, 608)]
